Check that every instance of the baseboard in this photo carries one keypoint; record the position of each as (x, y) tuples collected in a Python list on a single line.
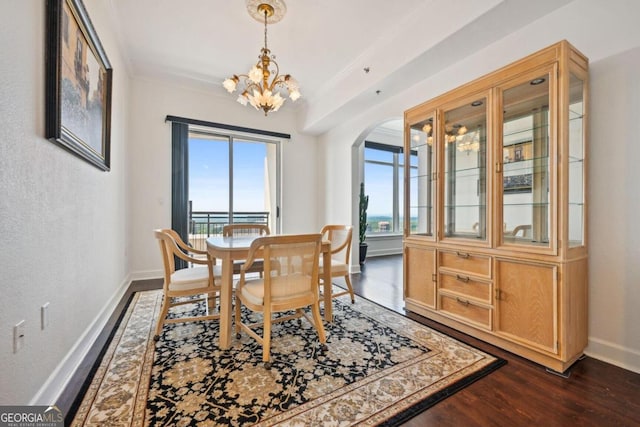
[(146, 275), (58, 380), (371, 252), (614, 354)]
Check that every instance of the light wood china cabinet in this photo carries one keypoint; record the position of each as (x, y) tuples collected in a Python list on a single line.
[(495, 237)]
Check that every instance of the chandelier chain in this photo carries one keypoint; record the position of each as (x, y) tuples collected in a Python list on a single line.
[(265, 30)]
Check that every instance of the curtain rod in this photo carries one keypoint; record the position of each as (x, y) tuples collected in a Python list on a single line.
[(187, 121)]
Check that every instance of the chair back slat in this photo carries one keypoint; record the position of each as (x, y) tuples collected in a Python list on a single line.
[(245, 229), (290, 262), (165, 242), (340, 237)]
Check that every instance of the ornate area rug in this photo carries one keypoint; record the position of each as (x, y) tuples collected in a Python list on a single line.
[(381, 368)]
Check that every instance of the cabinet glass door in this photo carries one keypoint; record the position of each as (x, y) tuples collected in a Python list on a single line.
[(464, 135), (576, 161), (422, 178), (525, 163)]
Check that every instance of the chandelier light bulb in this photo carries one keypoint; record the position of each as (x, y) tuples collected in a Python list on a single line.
[(230, 84), (255, 74), (243, 98)]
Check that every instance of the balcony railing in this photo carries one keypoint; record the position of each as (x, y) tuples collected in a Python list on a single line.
[(203, 224)]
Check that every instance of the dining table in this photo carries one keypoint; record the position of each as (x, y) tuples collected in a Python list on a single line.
[(235, 248)]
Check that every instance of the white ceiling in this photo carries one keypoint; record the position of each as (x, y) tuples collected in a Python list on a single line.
[(324, 44)]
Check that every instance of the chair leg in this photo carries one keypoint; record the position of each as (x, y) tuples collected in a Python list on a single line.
[(212, 302), (347, 279), (208, 304), (266, 340), (317, 320), (237, 316), (163, 315)]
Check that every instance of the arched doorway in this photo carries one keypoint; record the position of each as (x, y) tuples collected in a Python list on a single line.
[(378, 162)]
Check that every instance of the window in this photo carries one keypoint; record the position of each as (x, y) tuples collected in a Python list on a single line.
[(222, 174), (231, 179), (383, 177)]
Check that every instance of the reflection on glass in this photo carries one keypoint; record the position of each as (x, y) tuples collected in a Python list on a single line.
[(421, 179), (576, 162), (465, 181), (525, 175)]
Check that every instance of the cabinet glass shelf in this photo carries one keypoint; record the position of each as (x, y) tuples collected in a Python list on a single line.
[(467, 171), (527, 204), (464, 206), (523, 133)]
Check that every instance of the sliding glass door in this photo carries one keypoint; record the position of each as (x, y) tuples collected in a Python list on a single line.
[(230, 180)]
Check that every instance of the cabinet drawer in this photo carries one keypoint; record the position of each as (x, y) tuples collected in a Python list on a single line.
[(466, 286), (466, 262), (465, 310)]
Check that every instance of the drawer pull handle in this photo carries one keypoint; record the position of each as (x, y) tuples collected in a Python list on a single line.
[(463, 302), (464, 279), (462, 255)]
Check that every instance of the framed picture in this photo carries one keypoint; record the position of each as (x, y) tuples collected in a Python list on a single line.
[(518, 154), (79, 84), (517, 183)]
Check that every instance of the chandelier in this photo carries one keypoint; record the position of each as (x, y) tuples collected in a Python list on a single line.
[(257, 90), (469, 142), (452, 133), (465, 141)]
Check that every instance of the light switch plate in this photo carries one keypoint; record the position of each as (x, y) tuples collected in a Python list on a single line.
[(44, 316)]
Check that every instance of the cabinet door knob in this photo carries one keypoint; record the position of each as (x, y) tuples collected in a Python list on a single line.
[(463, 302), (464, 279)]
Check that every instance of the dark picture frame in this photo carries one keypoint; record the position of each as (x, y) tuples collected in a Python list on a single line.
[(78, 84)]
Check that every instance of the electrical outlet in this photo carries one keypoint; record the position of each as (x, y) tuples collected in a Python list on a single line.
[(44, 316), (18, 336)]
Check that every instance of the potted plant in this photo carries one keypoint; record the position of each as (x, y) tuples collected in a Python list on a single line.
[(364, 204)]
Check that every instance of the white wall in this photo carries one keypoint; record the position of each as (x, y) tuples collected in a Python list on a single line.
[(607, 33), (150, 158), (62, 221), (614, 246)]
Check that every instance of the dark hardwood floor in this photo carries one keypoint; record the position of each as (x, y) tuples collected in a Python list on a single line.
[(521, 393)]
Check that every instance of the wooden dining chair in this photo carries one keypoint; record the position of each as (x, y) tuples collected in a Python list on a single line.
[(340, 238), (525, 230), (246, 229), (199, 280), (289, 283)]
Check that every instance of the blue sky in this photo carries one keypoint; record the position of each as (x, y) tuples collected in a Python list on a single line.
[(379, 182), (209, 175)]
